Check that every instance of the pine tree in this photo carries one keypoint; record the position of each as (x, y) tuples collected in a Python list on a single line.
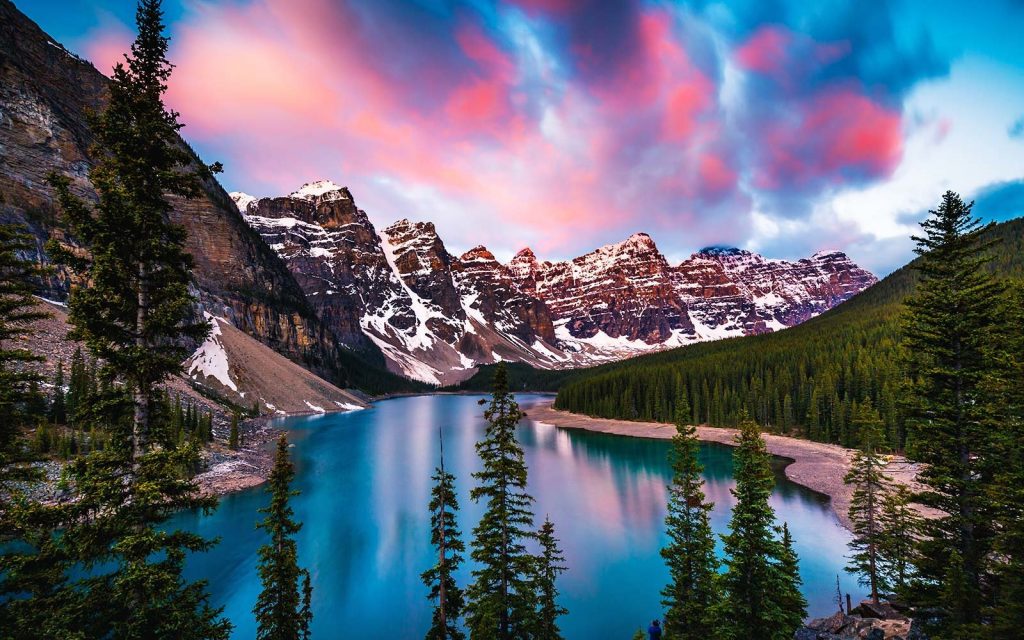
[(549, 567), (58, 406), (132, 313), (1007, 384), (446, 538), (899, 530), (871, 485), (791, 599), (233, 434), (500, 600), (306, 612), (692, 595), (17, 310), (755, 586), (280, 611), (947, 330)]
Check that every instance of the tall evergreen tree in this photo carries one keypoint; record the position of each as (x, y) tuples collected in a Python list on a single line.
[(757, 590), (549, 567), (501, 601), (58, 405), (1007, 613), (131, 311), (899, 527), (446, 538), (947, 330), (692, 594), (791, 599), (280, 611), (17, 310), (870, 486), (233, 432)]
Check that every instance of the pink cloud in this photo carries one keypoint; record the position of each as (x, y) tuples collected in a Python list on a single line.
[(766, 51), (836, 135), (454, 126)]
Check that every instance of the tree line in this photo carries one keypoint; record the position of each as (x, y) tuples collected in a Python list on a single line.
[(809, 381)]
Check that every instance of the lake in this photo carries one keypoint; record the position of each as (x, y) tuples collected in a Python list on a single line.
[(365, 483)]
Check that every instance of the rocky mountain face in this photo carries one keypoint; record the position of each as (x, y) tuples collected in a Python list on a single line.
[(436, 316), (45, 93)]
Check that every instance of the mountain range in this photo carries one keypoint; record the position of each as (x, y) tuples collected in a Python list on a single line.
[(436, 316)]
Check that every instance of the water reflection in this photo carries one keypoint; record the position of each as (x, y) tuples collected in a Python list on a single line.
[(365, 481)]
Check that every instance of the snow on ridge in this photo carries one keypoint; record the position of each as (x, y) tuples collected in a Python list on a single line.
[(210, 359), (242, 200), (319, 189)]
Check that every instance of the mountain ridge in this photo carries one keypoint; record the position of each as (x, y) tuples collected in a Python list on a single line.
[(437, 316)]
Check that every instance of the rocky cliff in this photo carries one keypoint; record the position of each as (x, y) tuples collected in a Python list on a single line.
[(45, 93)]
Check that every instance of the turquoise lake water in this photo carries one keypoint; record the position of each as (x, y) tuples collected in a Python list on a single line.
[(365, 481)]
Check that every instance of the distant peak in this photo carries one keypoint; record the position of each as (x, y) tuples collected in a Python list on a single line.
[(323, 190), (720, 250), (242, 200), (525, 254), (478, 253), (829, 254)]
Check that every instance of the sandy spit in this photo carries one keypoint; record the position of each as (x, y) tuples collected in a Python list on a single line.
[(815, 465)]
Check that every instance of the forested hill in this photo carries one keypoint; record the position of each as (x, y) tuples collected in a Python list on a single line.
[(807, 380)]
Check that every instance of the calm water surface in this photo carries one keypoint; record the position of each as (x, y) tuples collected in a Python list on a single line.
[(365, 481)]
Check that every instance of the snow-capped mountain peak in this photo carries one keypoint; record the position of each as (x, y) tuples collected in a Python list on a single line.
[(242, 200), (435, 316), (321, 190)]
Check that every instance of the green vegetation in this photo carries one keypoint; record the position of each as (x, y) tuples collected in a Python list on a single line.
[(692, 596), (447, 539), (806, 381), (282, 612), (871, 486), (501, 599), (761, 596)]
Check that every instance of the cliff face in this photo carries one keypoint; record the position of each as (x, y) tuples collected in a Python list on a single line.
[(434, 316), (45, 93)]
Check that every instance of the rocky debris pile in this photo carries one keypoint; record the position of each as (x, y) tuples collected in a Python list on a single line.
[(866, 622)]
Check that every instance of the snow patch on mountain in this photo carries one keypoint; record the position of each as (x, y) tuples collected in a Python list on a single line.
[(210, 359), (324, 190)]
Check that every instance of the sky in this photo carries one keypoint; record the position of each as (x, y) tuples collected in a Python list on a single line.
[(780, 126)]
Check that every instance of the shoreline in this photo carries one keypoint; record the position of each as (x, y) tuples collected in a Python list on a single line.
[(817, 466), (228, 471)]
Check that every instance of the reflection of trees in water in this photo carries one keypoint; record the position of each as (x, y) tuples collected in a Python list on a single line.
[(650, 456)]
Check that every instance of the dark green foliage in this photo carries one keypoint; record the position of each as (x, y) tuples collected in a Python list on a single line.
[(760, 594), (122, 573), (446, 538), (947, 332), (18, 386), (791, 599), (233, 433), (693, 593), (870, 487), (282, 613), (501, 601), (1007, 389), (549, 567), (899, 530), (58, 404), (825, 365)]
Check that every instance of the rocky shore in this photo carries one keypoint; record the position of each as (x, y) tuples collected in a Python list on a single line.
[(815, 465)]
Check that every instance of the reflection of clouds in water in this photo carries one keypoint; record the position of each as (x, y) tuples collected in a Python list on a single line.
[(365, 482)]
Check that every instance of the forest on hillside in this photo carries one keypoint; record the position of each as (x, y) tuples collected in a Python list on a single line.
[(807, 381)]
